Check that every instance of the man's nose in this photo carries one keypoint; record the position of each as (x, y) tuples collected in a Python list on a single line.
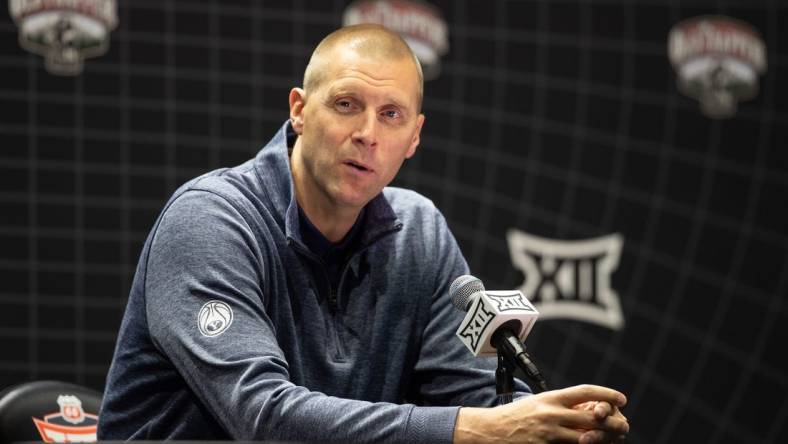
[(366, 133)]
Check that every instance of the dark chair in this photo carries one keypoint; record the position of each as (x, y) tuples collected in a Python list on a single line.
[(49, 411)]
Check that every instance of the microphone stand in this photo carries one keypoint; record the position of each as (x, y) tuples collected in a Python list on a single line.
[(504, 380), (511, 353)]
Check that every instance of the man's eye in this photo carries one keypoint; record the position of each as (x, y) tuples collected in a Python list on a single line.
[(344, 104), (392, 114)]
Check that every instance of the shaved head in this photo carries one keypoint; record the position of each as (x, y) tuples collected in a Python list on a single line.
[(367, 40)]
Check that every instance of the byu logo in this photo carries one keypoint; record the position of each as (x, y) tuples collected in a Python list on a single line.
[(476, 326), (214, 318), (569, 279)]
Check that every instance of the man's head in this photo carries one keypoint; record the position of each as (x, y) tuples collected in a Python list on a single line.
[(358, 118), (367, 40)]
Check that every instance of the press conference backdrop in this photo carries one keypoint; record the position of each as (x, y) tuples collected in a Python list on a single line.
[(559, 119)]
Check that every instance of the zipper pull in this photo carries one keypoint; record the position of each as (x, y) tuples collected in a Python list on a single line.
[(332, 301)]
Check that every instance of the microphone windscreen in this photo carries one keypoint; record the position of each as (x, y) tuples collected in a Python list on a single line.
[(462, 290)]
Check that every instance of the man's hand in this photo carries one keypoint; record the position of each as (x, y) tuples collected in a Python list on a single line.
[(601, 411), (583, 414)]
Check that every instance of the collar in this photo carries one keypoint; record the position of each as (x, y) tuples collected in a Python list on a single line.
[(318, 243)]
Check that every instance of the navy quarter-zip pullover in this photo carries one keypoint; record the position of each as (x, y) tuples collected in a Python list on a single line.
[(233, 330)]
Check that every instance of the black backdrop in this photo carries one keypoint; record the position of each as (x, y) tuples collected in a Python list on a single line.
[(558, 118)]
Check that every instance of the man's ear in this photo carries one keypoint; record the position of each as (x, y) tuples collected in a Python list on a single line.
[(297, 100), (416, 137)]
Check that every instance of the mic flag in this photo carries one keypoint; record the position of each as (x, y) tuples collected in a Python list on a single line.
[(487, 311)]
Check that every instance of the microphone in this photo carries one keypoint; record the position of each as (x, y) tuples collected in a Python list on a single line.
[(496, 321)]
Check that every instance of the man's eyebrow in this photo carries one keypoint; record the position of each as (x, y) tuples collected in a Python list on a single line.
[(394, 101), (341, 91)]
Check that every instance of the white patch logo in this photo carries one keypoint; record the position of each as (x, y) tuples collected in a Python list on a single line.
[(569, 279), (215, 317)]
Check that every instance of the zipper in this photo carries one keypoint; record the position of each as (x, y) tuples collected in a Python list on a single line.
[(333, 297), (350, 259), (333, 305), (333, 309)]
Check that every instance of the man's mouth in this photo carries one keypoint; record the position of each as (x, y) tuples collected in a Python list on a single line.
[(357, 165)]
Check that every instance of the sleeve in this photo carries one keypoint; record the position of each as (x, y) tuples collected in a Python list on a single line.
[(447, 373), (205, 269)]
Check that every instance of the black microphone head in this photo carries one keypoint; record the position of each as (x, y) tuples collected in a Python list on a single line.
[(462, 290)]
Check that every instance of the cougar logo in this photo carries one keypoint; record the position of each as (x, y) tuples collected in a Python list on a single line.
[(215, 317), (569, 279)]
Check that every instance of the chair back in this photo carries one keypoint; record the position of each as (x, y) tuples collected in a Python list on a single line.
[(48, 411)]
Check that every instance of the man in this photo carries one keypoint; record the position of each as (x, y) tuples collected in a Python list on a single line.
[(294, 298)]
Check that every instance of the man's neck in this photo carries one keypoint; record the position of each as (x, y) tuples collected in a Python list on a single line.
[(333, 223), (332, 220)]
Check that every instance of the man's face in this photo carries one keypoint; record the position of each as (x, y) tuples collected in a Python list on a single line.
[(355, 130)]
